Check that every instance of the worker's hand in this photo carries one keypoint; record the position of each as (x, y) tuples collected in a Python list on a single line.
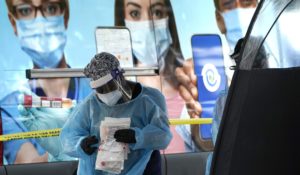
[(86, 144), (43, 118), (125, 136), (188, 88)]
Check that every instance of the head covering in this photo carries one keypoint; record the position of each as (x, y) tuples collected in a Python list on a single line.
[(102, 68)]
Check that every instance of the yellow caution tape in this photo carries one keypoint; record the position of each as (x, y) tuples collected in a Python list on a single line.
[(55, 132), (31, 134), (193, 121)]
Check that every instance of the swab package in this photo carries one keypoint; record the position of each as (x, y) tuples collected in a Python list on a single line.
[(112, 154)]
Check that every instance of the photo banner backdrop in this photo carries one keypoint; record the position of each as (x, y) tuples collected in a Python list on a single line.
[(170, 30)]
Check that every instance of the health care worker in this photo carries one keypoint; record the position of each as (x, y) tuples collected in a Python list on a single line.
[(233, 18), (155, 42), (118, 98), (41, 29)]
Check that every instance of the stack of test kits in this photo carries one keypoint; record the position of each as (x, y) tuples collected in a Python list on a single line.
[(112, 154)]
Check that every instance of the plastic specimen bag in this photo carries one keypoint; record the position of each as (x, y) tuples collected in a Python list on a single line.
[(111, 154)]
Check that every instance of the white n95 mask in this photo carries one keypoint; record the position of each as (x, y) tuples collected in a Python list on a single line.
[(150, 40), (110, 98), (43, 39), (237, 22)]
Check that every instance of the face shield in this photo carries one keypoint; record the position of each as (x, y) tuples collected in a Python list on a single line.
[(274, 36), (112, 87)]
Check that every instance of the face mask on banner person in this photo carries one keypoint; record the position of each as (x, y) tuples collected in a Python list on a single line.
[(41, 31), (150, 40), (108, 81), (237, 22), (149, 28), (233, 18)]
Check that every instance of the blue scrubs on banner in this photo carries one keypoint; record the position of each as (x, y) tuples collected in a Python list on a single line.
[(79, 89), (148, 119)]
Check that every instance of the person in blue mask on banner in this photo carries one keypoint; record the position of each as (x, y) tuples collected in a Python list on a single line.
[(119, 99), (155, 42), (40, 26), (233, 18)]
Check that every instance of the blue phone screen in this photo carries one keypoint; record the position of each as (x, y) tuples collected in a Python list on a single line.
[(210, 72)]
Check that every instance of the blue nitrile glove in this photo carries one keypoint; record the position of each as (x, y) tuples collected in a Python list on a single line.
[(46, 118)]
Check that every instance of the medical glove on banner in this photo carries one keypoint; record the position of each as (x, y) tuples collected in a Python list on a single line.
[(35, 119), (86, 144)]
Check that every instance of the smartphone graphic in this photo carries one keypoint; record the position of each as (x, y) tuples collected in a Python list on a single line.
[(210, 71), (116, 41)]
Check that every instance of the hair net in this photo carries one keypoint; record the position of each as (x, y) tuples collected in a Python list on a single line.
[(102, 68)]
